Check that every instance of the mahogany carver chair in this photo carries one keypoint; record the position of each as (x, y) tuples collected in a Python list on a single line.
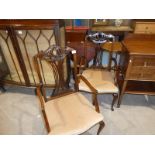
[(101, 80), (66, 111)]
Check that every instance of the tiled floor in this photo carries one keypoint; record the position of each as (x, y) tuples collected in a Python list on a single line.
[(20, 114)]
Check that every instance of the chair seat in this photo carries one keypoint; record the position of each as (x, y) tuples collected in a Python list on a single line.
[(71, 114), (100, 79)]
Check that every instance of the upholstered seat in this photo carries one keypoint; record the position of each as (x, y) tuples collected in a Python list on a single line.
[(65, 111), (101, 80), (71, 114)]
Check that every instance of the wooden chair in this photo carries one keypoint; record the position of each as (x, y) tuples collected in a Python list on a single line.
[(68, 111), (95, 76)]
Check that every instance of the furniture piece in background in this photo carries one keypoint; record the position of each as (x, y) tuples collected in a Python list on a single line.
[(137, 65), (66, 112), (111, 26), (20, 40), (75, 35), (4, 70), (76, 30), (99, 79), (142, 26)]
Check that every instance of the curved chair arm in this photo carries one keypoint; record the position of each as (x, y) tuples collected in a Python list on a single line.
[(87, 83), (82, 64), (94, 94)]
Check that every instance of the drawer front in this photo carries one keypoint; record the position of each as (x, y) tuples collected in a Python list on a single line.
[(141, 68), (145, 28)]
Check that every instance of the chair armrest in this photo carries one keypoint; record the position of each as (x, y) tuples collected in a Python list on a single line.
[(87, 83)]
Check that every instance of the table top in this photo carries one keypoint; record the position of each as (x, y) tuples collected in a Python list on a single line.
[(112, 47), (140, 47), (139, 44)]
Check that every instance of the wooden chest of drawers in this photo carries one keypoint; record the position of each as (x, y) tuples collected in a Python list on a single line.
[(141, 68), (144, 27), (138, 67)]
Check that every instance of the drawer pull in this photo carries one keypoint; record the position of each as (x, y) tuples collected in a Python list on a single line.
[(130, 60), (68, 42), (145, 64)]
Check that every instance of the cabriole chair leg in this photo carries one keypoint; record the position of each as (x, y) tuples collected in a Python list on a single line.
[(102, 124)]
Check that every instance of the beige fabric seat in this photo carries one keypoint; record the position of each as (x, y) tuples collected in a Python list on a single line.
[(101, 80), (71, 114)]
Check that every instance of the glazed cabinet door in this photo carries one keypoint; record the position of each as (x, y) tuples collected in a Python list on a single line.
[(20, 40), (33, 41), (15, 73)]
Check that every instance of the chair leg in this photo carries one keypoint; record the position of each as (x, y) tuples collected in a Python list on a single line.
[(102, 124), (115, 97), (95, 102)]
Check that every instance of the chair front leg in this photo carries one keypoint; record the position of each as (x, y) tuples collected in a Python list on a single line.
[(115, 97), (95, 102), (102, 124)]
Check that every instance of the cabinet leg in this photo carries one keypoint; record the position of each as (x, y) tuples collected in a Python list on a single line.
[(121, 95), (3, 89), (35, 91)]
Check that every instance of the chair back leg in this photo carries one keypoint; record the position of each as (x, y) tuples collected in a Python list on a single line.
[(115, 97)]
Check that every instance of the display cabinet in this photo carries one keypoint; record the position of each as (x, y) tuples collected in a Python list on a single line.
[(20, 40), (4, 70)]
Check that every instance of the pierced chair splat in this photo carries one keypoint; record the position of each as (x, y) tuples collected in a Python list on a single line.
[(67, 112), (99, 78)]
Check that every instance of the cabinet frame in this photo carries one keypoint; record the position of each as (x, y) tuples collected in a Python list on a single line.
[(11, 26)]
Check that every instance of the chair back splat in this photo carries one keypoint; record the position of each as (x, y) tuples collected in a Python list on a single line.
[(93, 76), (55, 57), (66, 111)]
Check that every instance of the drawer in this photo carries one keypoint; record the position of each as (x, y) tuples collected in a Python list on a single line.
[(145, 28), (141, 68)]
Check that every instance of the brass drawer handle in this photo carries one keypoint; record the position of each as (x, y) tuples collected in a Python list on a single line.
[(145, 64), (146, 27)]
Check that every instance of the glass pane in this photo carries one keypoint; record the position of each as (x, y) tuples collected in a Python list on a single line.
[(81, 23), (68, 22), (15, 74)]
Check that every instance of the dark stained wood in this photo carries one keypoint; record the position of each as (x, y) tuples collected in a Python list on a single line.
[(29, 23), (19, 56), (97, 64), (55, 61)]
